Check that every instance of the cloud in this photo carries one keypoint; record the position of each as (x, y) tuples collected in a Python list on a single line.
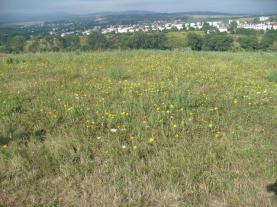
[(89, 6)]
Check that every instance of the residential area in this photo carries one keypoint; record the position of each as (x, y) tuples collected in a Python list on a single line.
[(259, 24)]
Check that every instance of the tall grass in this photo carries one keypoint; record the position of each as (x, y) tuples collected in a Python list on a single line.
[(137, 128)]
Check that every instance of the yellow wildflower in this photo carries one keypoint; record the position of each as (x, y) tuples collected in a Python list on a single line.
[(151, 140)]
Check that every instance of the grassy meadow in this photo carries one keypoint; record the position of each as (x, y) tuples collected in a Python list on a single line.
[(138, 128)]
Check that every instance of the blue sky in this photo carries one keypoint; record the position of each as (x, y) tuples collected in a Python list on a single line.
[(90, 6)]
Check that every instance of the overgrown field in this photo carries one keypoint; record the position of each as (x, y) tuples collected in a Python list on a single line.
[(138, 128)]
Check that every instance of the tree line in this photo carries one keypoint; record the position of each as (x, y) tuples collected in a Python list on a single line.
[(94, 41), (210, 41), (224, 41)]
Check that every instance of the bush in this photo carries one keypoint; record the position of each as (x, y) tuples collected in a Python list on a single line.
[(272, 77), (10, 61)]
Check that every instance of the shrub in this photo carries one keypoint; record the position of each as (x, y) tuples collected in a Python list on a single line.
[(272, 77), (10, 61)]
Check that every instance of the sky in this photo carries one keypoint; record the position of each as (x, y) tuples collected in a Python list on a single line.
[(91, 6)]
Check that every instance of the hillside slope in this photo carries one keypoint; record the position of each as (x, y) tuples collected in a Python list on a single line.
[(138, 128)]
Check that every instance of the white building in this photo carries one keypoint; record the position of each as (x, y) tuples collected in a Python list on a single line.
[(161, 28), (67, 33), (263, 19), (109, 30), (274, 25), (222, 29), (256, 26), (178, 26), (168, 26), (125, 29), (214, 24), (193, 25), (86, 32)]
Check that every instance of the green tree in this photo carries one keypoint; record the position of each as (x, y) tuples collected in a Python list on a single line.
[(268, 39), (16, 44), (249, 42), (137, 40), (72, 42), (206, 27), (97, 41), (31, 45), (59, 43), (119, 41), (246, 31), (195, 41), (218, 42), (45, 44), (256, 20), (174, 29), (141, 40), (191, 28), (233, 27), (155, 41)]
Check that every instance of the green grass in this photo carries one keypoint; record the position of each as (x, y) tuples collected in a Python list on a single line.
[(137, 128), (272, 76)]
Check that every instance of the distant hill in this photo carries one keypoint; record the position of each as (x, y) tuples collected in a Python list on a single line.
[(130, 12), (134, 17), (13, 18), (150, 13), (108, 16), (207, 13)]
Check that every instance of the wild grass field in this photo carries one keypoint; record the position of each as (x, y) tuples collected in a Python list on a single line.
[(138, 128)]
